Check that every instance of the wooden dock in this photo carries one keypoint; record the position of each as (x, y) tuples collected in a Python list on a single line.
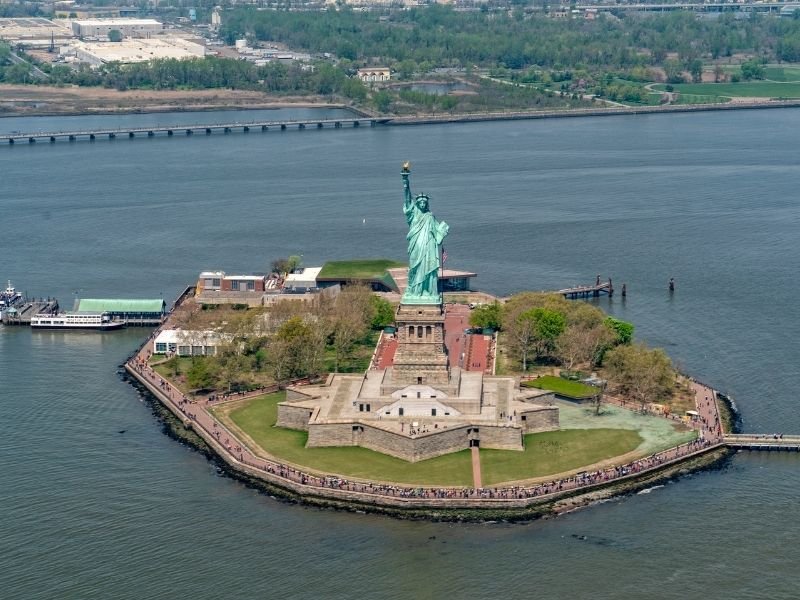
[(588, 291), (22, 313), (763, 442)]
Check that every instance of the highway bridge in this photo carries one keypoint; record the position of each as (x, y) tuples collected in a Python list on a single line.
[(170, 130), (784, 8), (31, 137)]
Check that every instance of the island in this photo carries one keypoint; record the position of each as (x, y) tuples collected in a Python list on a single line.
[(418, 403)]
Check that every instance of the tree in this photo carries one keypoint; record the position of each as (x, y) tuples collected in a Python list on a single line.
[(752, 69), (696, 69), (487, 316), (548, 325), (115, 35), (202, 374), (383, 313), (382, 100), (622, 329), (296, 350), (350, 316), (673, 71), (280, 266), (293, 262), (521, 332), (579, 344), (644, 374)]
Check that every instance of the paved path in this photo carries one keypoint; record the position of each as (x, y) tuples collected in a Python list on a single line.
[(225, 443), (708, 423), (456, 320), (478, 354), (476, 468)]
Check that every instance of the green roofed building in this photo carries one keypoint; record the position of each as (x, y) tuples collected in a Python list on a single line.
[(372, 272), (137, 311)]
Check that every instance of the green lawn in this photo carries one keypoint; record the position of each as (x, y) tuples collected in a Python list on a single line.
[(562, 387), (782, 73), (163, 369), (545, 453), (755, 89), (373, 268), (555, 452), (257, 419)]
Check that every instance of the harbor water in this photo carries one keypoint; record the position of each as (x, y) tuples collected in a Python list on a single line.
[(97, 502)]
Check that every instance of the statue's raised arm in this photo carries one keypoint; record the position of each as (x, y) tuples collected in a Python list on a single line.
[(406, 185)]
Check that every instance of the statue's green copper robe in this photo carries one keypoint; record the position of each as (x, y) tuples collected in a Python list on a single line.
[(425, 235)]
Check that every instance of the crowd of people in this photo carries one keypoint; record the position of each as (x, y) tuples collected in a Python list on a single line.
[(286, 474)]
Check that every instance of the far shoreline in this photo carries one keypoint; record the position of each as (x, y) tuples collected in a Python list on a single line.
[(18, 101)]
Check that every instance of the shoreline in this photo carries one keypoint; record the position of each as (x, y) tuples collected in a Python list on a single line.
[(183, 427), (19, 101)]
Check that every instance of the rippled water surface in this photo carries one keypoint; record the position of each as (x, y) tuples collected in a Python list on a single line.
[(96, 502)]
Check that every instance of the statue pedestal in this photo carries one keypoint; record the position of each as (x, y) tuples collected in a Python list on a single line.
[(421, 357)]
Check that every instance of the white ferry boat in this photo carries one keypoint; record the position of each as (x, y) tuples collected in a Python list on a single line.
[(75, 320)]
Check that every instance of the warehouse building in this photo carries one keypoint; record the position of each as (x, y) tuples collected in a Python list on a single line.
[(133, 50), (99, 28)]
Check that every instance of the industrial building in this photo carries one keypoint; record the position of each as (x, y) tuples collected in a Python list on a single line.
[(133, 50), (33, 32), (99, 28)]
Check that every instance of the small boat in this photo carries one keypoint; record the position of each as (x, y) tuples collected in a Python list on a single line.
[(76, 320)]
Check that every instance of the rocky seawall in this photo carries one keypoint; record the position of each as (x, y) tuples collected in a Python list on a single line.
[(437, 509)]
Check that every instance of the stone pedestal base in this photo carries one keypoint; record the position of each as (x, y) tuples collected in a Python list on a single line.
[(421, 356)]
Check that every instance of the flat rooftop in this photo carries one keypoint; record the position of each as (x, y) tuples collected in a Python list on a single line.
[(112, 22), (133, 50), (32, 28)]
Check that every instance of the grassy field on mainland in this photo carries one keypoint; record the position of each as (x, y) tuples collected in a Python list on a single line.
[(745, 89), (562, 387), (556, 452), (545, 453)]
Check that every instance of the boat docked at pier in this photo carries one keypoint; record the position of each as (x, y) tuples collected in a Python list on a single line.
[(75, 320), (9, 297)]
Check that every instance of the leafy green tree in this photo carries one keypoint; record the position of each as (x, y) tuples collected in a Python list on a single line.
[(752, 69), (487, 316), (383, 313), (18, 73), (293, 262), (548, 326), (695, 67), (622, 329), (382, 100), (202, 374)]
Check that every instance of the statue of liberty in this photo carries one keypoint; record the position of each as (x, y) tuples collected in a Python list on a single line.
[(425, 235)]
